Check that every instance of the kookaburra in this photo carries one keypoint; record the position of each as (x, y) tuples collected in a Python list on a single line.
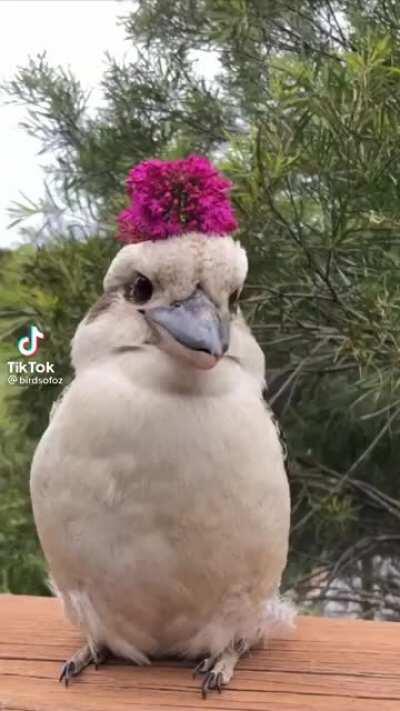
[(159, 487)]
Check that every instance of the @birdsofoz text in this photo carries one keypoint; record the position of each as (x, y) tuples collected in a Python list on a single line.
[(32, 373)]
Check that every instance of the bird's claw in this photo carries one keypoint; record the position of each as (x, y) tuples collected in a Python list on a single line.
[(219, 669), (202, 667), (67, 672), (83, 657), (212, 680)]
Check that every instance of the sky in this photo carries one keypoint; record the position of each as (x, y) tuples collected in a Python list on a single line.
[(74, 33)]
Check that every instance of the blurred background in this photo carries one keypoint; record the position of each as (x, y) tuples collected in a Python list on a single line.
[(299, 104)]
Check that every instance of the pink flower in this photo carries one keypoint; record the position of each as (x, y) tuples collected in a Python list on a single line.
[(171, 198)]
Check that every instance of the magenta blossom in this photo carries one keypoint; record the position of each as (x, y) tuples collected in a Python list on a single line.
[(171, 198)]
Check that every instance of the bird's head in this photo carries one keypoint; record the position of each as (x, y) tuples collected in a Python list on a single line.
[(179, 295), (176, 284)]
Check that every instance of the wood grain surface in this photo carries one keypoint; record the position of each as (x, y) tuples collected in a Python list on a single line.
[(327, 665)]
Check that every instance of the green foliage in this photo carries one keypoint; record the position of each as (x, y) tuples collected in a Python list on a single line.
[(21, 565), (52, 287), (303, 115)]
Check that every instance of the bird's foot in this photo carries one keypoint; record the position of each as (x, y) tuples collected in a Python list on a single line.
[(80, 660), (203, 666), (218, 671)]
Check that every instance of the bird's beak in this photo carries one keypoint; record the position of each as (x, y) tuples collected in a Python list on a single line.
[(197, 330)]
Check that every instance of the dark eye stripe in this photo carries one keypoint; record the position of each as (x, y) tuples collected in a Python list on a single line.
[(234, 299), (102, 305)]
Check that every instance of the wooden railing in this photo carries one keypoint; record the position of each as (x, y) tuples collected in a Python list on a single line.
[(328, 665)]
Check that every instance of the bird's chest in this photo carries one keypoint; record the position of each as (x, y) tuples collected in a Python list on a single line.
[(165, 489), (202, 475), (186, 450)]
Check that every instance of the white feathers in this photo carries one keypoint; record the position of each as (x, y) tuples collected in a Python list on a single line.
[(176, 265), (279, 617), (239, 621), (80, 611), (159, 491)]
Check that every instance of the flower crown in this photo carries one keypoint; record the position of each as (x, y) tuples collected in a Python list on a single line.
[(171, 198)]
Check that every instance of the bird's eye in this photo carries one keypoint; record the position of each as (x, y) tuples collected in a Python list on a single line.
[(234, 300), (141, 290)]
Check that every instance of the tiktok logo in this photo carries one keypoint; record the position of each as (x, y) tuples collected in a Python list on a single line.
[(33, 372), (29, 345)]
